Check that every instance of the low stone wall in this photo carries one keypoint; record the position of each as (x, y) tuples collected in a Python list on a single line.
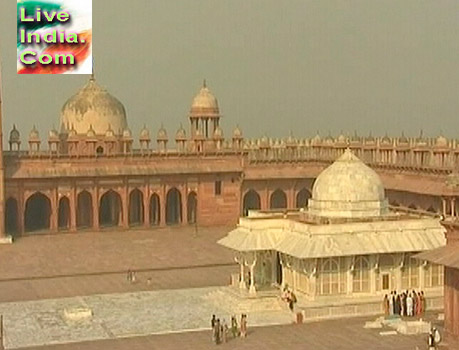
[(357, 309)]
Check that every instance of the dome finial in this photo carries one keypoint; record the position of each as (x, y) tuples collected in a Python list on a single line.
[(204, 83)]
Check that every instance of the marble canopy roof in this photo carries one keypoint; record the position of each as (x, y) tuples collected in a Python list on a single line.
[(304, 240)]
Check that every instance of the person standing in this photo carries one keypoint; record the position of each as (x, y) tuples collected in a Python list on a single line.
[(391, 304), (243, 326), (234, 327), (224, 332), (386, 305), (217, 332), (409, 305), (213, 321), (398, 307)]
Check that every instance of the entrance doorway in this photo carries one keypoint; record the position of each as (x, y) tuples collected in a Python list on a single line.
[(385, 281)]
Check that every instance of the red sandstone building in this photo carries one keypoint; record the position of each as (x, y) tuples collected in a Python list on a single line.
[(89, 175), (449, 257)]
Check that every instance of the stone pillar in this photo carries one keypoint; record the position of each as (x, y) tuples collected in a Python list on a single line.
[(125, 206), (184, 194), (443, 201), (21, 210), (291, 197), (251, 261), (240, 260), (54, 211), (374, 265), (162, 206), (453, 207), (73, 209), (146, 207), (95, 208)]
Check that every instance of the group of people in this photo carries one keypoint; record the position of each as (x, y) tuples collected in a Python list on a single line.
[(405, 304), (131, 276), (289, 297), (220, 329)]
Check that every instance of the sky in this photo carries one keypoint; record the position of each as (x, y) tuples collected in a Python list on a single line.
[(380, 66)]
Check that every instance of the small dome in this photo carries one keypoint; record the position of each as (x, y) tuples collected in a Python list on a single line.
[(34, 135), (109, 133), (341, 138), (90, 132), (403, 139), (386, 140), (316, 139), (180, 135), (291, 141), (204, 103), (53, 134), (144, 134), (15, 136), (218, 133), (441, 141), (72, 132), (263, 142), (421, 140), (127, 133), (370, 139), (162, 134), (237, 133), (93, 105), (348, 188)]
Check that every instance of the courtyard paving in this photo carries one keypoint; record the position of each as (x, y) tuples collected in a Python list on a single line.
[(43, 322), (325, 335)]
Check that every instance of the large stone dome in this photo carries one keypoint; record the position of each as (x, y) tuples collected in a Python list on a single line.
[(348, 188), (93, 107)]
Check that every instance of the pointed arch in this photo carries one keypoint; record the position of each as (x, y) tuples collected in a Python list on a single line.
[(278, 200), (155, 210), (136, 208), (84, 214), (110, 209), (11, 216), (63, 218), (192, 208), (251, 201), (173, 207), (302, 198), (37, 213)]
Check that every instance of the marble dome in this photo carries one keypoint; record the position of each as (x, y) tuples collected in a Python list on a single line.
[(348, 188), (93, 106)]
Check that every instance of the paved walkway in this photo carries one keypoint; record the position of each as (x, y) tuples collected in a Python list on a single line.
[(66, 265), (325, 335), (43, 322)]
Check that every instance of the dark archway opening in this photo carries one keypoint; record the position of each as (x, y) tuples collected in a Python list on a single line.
[(136, 208), (251, 202), (173, 207), (100, 151), (63, 219), (302, 198), (110, 209), (37, 213), (192, 208), (84, 210), (11, 217), (278, 200), (155, 210)]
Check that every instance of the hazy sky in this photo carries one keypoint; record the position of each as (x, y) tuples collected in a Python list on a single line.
[(275, 66)]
